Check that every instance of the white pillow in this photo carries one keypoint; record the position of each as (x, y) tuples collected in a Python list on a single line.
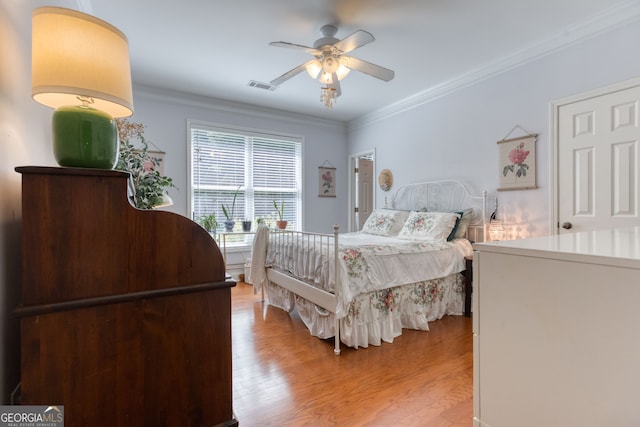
[(434, 226), (385, 222)]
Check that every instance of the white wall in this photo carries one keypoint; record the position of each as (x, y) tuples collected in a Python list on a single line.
[(24, 135), (454, 136)]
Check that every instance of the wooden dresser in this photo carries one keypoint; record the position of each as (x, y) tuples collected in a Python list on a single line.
[(125, 313)]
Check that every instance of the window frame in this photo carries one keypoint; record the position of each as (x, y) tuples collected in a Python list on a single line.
[(245, 132)]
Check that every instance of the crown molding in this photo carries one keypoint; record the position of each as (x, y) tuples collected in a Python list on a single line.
[(611, 19), (222, 105)]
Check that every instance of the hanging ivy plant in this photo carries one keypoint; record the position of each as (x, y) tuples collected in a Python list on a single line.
[(149, 185)]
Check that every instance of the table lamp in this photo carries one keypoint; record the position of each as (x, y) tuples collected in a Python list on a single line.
[(80, 67)]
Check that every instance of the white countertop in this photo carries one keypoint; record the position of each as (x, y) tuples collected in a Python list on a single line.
[(620, 247)]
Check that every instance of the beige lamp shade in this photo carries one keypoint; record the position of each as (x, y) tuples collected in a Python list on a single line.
[(75, 54)]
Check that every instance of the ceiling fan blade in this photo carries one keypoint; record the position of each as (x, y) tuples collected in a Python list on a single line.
[(354, 40), (291, 73), (287, 45), (368, 68)]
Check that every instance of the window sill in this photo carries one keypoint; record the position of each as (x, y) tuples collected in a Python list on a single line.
[(235, 242)]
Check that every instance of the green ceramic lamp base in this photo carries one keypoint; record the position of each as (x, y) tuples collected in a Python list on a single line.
[(84, 137)]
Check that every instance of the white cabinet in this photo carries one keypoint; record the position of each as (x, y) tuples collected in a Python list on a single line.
[(556, 323)]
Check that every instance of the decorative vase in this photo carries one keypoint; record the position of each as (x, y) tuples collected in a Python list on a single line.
[(84, 137), (281, 224), (246, 226), (228, 226)]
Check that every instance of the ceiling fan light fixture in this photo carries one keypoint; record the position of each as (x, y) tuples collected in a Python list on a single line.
[(325, 78), (313, 68), (317, 71), (330, 64), (342, 72)]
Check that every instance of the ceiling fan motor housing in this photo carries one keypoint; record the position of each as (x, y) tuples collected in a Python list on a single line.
[(328, 37)]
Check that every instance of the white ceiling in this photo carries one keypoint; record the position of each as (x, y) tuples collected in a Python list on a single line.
[(214, 48)]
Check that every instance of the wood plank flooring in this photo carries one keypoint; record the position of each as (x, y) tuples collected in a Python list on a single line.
[(282, 376)]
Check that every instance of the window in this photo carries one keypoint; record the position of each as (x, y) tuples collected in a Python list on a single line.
[(261, 167)]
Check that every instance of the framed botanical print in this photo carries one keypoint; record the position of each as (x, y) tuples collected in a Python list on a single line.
[(517, 163), (327, 181), (157, 158)]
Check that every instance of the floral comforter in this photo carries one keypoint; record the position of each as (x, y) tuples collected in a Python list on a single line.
[(367, 263)]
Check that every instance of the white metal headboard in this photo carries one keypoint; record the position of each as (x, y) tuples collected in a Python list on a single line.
[(444, 196)]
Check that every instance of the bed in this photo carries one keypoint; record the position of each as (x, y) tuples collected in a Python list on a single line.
[(403, 270)]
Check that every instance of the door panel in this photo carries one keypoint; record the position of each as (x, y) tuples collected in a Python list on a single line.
[(624, 169), (598, 161), (583, 181)]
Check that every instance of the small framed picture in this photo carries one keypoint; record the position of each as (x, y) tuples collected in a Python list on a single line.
[(154, 161), (157, 157), (517, 163), (327, 181)]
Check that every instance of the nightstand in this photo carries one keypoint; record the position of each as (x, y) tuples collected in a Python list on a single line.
[(468, 286)]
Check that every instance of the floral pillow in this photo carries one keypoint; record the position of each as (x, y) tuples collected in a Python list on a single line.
[(385, 222), (434, 226)]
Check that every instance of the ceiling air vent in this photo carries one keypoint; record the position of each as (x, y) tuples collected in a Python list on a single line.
[(261, 85)]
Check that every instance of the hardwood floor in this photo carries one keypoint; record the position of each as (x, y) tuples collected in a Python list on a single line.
[(282, 376)]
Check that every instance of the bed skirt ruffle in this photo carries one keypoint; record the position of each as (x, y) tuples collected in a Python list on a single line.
[(380, 315)]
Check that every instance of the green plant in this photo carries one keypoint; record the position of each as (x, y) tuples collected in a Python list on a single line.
[(225, 210), (149, 186), (208, 222), (279, 210)]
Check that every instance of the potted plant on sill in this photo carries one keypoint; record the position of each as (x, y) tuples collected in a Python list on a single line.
[(229, 223), (281, 223), (209, 222)]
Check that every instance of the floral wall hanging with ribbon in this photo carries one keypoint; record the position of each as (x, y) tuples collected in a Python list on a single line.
[(517, 163), (327, 180)]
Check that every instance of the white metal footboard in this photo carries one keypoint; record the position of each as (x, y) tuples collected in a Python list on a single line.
[(308, 241)]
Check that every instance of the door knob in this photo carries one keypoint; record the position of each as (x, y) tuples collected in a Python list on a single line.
[(566, 225)]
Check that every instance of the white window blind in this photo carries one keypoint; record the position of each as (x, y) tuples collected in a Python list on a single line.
[(262, 167)]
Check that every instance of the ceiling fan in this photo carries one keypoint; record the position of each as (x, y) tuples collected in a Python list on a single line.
[(330, 64)]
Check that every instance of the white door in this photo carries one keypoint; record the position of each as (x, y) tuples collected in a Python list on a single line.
[(598, 162), (365, 190)]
